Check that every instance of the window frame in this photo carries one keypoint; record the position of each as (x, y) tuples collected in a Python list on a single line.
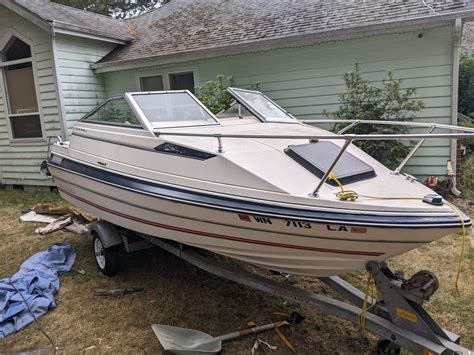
[(84, 119), (234, 92), (165, 75), (140, 77), (142, 117), (5, 95)]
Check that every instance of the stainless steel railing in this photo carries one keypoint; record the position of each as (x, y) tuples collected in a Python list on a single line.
[(348, 138)]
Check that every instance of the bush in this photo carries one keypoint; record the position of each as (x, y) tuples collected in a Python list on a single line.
[(213, 94), (365, 101), (466, 86), (467, 176)]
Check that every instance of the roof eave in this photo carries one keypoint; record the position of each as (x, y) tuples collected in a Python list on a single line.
[(284, 42), (74, 30), (27, 15), (61, 27)]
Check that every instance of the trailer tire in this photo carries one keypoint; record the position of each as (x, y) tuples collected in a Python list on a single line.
[(106, 259)]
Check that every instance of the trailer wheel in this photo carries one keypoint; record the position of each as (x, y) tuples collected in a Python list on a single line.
[(387, 347), (106, 259)]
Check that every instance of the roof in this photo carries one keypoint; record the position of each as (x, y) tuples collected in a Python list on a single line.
[(71, 19), (468, 38), (184, 26)]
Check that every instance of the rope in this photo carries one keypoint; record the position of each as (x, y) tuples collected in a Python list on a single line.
[(370, 288), (463, 243), (350, 195)]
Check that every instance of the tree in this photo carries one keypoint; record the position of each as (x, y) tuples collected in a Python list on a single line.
[(115, 8), (466, 86), (365, 101)]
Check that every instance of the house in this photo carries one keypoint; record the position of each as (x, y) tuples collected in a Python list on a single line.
[(57, 63)]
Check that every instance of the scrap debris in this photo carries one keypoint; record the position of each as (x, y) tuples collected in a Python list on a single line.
[(259, 342), (71, 219), (117, 292)]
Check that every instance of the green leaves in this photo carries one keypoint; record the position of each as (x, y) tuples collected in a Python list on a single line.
[(213, 94), (115, 8), (466, 85), (363, 100)]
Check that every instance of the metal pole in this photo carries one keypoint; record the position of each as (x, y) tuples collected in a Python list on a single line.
[(326, 175), (220, 148), (355, 123), (412, 152)]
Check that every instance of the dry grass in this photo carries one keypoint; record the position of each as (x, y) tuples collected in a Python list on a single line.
[(179, 294)]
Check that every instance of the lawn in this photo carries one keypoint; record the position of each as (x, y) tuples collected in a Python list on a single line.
[(179, 294)]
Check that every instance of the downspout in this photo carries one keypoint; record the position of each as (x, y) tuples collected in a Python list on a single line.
[(457, 34), (58, 86)]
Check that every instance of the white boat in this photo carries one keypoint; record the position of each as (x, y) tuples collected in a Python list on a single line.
[(253, 185)]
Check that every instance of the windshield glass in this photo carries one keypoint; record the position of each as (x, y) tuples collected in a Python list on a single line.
[(261, 106), (173, 109)]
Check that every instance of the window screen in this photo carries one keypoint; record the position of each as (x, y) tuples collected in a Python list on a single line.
[(115, 111), (26, 126), (152, 83), (182, 81)]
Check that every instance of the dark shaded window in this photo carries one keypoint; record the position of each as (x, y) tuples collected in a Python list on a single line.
[(182, 81), (17, 50), (152, 83), (26, 126)]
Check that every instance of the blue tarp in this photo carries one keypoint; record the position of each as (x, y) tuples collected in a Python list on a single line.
[(38, 282)]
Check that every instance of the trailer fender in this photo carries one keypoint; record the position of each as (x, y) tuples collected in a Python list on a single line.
[(107, 232)]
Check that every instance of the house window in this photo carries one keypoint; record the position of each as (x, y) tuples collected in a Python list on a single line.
[(182, 81), (152, 83), (20, 90)]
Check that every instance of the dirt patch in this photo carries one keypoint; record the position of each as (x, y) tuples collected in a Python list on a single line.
[(177, 293)]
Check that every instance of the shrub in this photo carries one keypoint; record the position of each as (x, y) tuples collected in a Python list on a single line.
[(467, 176), (362, 100), (213, 94), (466, 85)]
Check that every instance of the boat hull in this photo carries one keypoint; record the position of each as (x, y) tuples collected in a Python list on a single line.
[(284, 244)]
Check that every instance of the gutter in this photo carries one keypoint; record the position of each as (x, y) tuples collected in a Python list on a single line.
[(342, 33), (457, 36), (58, 88)]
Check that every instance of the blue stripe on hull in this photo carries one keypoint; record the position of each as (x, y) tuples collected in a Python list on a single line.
[(254, 208)]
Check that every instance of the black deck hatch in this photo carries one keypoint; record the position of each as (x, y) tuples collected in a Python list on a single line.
[(317, 158)]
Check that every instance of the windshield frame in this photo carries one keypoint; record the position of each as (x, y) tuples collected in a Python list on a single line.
[(234, 92), (168, 124), (85, 118)]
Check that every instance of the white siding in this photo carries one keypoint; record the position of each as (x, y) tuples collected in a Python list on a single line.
[(19, 164), (81, 88)]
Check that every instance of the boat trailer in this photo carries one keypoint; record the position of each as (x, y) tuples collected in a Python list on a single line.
[(398, 318)]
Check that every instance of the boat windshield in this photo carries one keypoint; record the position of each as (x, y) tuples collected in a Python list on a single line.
[(173, 109), (261, 106)]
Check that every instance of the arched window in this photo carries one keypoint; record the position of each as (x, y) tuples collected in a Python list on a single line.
[(16, 68)]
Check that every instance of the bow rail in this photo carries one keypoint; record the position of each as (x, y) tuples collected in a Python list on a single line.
[(461, 132)]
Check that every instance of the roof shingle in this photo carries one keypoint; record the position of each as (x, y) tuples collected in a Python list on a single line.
[(185, 26), (76, 19)]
